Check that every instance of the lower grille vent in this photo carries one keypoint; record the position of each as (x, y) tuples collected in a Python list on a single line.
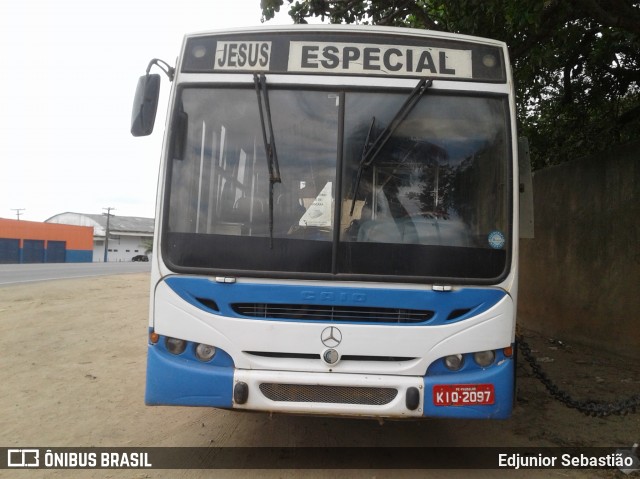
[(314, 312), (328, 394)]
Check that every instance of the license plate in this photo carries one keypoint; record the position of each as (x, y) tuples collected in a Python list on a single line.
[(462, 394)]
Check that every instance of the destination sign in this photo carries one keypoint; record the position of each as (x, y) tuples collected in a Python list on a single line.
[(363, 59), (242, 56), (344, 54)]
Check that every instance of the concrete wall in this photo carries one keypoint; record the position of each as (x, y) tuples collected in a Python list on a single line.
[(580, 276)]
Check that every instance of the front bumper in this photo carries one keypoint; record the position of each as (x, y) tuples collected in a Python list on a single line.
[(173, 380)]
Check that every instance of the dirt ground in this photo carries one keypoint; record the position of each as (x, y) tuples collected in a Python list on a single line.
[(72, 375)]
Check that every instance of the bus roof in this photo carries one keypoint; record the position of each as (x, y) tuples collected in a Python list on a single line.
[(358, 29)]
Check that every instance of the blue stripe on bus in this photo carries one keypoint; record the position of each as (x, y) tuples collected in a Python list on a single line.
[(461, 303)]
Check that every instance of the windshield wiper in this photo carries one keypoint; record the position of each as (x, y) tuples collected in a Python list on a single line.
[(369, 154), (365, 149), (262, 92)]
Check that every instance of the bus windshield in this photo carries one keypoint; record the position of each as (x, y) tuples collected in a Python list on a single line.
[(432, 205)]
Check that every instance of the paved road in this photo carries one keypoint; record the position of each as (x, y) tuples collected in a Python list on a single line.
[(27, 273)]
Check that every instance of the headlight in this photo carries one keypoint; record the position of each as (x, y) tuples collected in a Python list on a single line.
[(204, 352), (454, 362), (484, 358), (175, 346)]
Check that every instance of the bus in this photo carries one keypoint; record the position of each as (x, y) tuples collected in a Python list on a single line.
[(336, 223)]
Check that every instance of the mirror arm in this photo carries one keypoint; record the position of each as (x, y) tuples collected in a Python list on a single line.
[(164, 66)]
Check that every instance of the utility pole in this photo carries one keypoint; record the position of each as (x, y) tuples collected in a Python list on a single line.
[(18, 212), (106, 236)]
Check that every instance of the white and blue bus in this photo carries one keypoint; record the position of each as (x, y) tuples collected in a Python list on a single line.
[(336, 225)]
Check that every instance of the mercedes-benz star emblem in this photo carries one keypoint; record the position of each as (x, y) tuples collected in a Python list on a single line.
[(331, 336)]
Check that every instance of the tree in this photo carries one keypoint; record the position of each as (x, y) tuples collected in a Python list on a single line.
[(576, 63), (147, 244)]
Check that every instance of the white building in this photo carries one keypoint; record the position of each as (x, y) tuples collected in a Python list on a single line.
[(129, 236)]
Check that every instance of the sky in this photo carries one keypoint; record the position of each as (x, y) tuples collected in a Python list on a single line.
[(70, 69)]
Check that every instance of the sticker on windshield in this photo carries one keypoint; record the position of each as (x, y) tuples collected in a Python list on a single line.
[(496, 240), (319, 213)]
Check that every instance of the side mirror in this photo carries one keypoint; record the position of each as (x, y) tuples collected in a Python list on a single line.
[(145, 105)]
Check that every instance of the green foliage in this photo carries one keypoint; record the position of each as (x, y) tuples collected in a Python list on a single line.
[(147, 244), (576, 63)]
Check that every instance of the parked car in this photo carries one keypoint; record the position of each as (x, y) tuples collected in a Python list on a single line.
[(140, 257)]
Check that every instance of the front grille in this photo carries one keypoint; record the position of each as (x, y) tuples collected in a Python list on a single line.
[(270, 354), (346, 357), (314, 312), (328, 394)]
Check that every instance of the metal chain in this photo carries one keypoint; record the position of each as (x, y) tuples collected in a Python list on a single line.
[(590, 408)]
